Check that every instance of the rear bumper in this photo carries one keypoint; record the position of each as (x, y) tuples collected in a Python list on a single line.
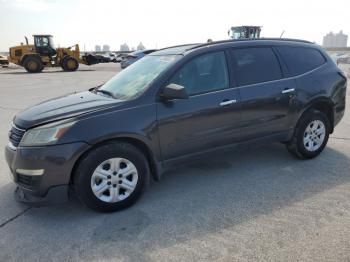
[(339, 108), (51, 167), (338, 115)]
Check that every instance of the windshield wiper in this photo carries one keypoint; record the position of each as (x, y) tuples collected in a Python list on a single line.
[(109, 93)]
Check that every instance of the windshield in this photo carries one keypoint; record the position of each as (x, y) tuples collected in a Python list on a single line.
[(238, 33), (136, 78)]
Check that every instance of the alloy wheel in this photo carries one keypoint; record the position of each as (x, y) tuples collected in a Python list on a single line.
[(314, 135), (114, 180)]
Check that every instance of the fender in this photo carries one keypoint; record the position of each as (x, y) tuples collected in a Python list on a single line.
[(28, 55), (321, 103), (145, 145)]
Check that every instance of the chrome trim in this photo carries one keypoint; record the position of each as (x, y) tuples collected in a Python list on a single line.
[(229, 102), (11, 146), (13, 125), (290, 90)]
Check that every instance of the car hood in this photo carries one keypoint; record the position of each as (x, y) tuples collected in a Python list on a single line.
[(63, 107)]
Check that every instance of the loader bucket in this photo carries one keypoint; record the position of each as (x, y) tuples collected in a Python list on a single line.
[(90, 59)]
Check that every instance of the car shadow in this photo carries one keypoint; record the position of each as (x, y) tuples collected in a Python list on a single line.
[(190, 202)]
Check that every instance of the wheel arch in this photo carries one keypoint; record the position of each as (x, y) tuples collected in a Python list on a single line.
[(154, 165), (324, 105), (25, 56)]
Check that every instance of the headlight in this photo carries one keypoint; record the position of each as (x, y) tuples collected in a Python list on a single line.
[(46, 134)]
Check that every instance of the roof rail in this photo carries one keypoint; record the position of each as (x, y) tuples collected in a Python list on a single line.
[(168, 47), (250, 39)]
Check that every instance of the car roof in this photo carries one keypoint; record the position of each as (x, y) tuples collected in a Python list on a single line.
[(141, 51), (183, 49), (175, 50)]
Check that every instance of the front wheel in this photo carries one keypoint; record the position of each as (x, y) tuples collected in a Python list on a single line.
[(111, 177), (70, 64), (310, 136)]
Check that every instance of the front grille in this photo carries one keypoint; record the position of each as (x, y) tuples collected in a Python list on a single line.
[(16, 135)]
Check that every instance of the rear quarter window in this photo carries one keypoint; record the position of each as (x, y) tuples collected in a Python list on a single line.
[(300, 60)]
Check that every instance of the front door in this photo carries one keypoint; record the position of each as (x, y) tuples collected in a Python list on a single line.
[(43, 46), (209, 118)]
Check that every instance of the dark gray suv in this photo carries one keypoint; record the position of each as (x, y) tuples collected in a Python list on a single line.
[(175, 104)]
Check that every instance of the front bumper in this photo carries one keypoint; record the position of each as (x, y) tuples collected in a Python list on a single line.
[(57, 163), (55, 195)]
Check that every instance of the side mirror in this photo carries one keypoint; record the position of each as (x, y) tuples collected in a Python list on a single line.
[(174, 91)]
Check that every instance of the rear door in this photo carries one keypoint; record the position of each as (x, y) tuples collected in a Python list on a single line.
[(209, 118), (266, 96)]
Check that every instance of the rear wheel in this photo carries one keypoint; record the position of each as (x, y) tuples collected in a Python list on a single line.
[(70, 64), (111, 177), (33, 64), (310, 136), (62, 61)]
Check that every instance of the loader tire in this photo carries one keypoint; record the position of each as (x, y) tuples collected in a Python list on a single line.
[(70, 64), (33, 64)]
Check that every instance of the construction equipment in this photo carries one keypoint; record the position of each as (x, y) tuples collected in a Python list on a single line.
[(34, 58), (245, 31)]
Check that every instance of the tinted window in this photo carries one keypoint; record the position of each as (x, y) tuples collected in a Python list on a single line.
[(203, 74), (300, 60), (255, 65)]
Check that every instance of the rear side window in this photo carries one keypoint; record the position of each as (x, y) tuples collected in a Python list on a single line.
[(255, 65), (300, 60)]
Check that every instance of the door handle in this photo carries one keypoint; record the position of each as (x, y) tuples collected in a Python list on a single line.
[(228, 102), (288, 90)]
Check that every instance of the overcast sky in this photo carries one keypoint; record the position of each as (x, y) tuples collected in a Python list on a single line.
[(160, 23)]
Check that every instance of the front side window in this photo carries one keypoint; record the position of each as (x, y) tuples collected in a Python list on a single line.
[(255, 65), (42, 42), (203, 74), (300, 60)]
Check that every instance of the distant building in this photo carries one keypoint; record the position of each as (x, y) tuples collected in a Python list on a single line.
[(141, 46), (124, 48), (105, 48), (97, 48), (335, 40)]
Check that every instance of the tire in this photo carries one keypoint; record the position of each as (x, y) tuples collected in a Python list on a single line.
[(101, 183), (70, 64), (62, 62), (33, 64), (308, 140)]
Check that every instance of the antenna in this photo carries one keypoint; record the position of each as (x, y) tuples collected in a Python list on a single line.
[(282, 34)]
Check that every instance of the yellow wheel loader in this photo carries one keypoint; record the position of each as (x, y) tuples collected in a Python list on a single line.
[(34, 58), (244, 31)]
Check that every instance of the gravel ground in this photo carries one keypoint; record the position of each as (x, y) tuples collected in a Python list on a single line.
[(253, 204)]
